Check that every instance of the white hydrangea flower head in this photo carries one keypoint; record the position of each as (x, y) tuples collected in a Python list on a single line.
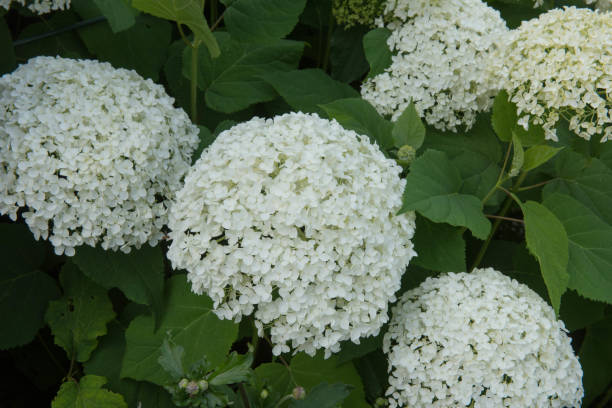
[(439, 59), (479, 339), (38, 6), (558, 66), (93, 154), (294, 219)]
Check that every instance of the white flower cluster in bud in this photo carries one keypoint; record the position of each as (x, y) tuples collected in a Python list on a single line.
[(439, 59), (558, 66), (602, 5), (92, 154), (294, 219), (38, 6), (479, 339)]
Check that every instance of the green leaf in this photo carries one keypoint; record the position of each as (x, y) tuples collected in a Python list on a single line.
[(8, 61), (119, 13), (536, 156), (518, 158), (171, 359), (372, 369), (347, 59), (479, 175), (590, 252), (234, 80), (173, 72), (547, 241), (24, 290), (262, 21), (587, 180), (309, 372), (80, 316), (87, 393), (596, 360), (106, 361), (142, 47), (440, 247), (323, 395), (206, 138), (189, 319), (358, 115), (350, 351), (432, 189), (377, 51), (184, 12), (236, 369), (139, 274), (578, 312), (305, 89), (408, 129), (504, 116)]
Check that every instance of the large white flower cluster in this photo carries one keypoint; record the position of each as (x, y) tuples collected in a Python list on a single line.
[(293, 219), (93, 154), (440, 50), (558, 66), (38, 6), (479, 340)]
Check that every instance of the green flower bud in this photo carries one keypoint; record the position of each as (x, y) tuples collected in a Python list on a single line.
[(405, 155), (264, 394), (381, 402), (357, 12), (298, 393), (203, 385), (183, 383), (192, 388)]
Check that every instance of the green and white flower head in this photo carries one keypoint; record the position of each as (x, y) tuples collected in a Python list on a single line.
[(440, 51), (479, 339), (38, 6), (92, 154), (292, 219), (558, 66), (603, 5), (352, 12)]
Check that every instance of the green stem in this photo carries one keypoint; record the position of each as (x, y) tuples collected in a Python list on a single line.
[(194, 83), (283, 400), (330, 30), (244, 396), (214, 13)]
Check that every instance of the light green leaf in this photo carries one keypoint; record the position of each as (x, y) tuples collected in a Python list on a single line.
[(189, 319), (119, 13), (518, 158), (184, 12), (590, 250), (377, 51), (323, 395), (535, 156), (432, 189), (87, 393), (139, 274), (305, 89), (596, 360), (80, 316), (440, 247), (234, 80), (504, 116), (547, 241), (408, 129), (24, 290), (479, 175), (262, 21), (358, 115), (8, 61)]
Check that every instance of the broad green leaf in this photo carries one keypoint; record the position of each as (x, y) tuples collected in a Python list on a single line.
[(350, 351), (347, 59), (535, 156), (436, 254), (8, 61), (590, 248), (547, 241), (206, 138), (377, 51), (106, 361), (87, 393), (323, 395), (606, 154), (479, 175), (262, 21), (432, 189), (587, 180), (171, 359), (372, 369), (504, 116), (184, 12), (189, 319), (518, 157), (24, 290), (80, 316), (237, 368), (408, 129), (234, 80), (596, 360), (578, 312), (305, 89), (358, 115), (308, 372), (142, 47), (139, 274), (119, 13), (179, 86)]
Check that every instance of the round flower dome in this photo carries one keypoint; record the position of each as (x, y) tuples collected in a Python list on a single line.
[(293, 219), (90, 154), (477, 340), (38, 6)]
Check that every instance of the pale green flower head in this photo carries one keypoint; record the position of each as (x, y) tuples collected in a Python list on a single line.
[(357, 12)]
